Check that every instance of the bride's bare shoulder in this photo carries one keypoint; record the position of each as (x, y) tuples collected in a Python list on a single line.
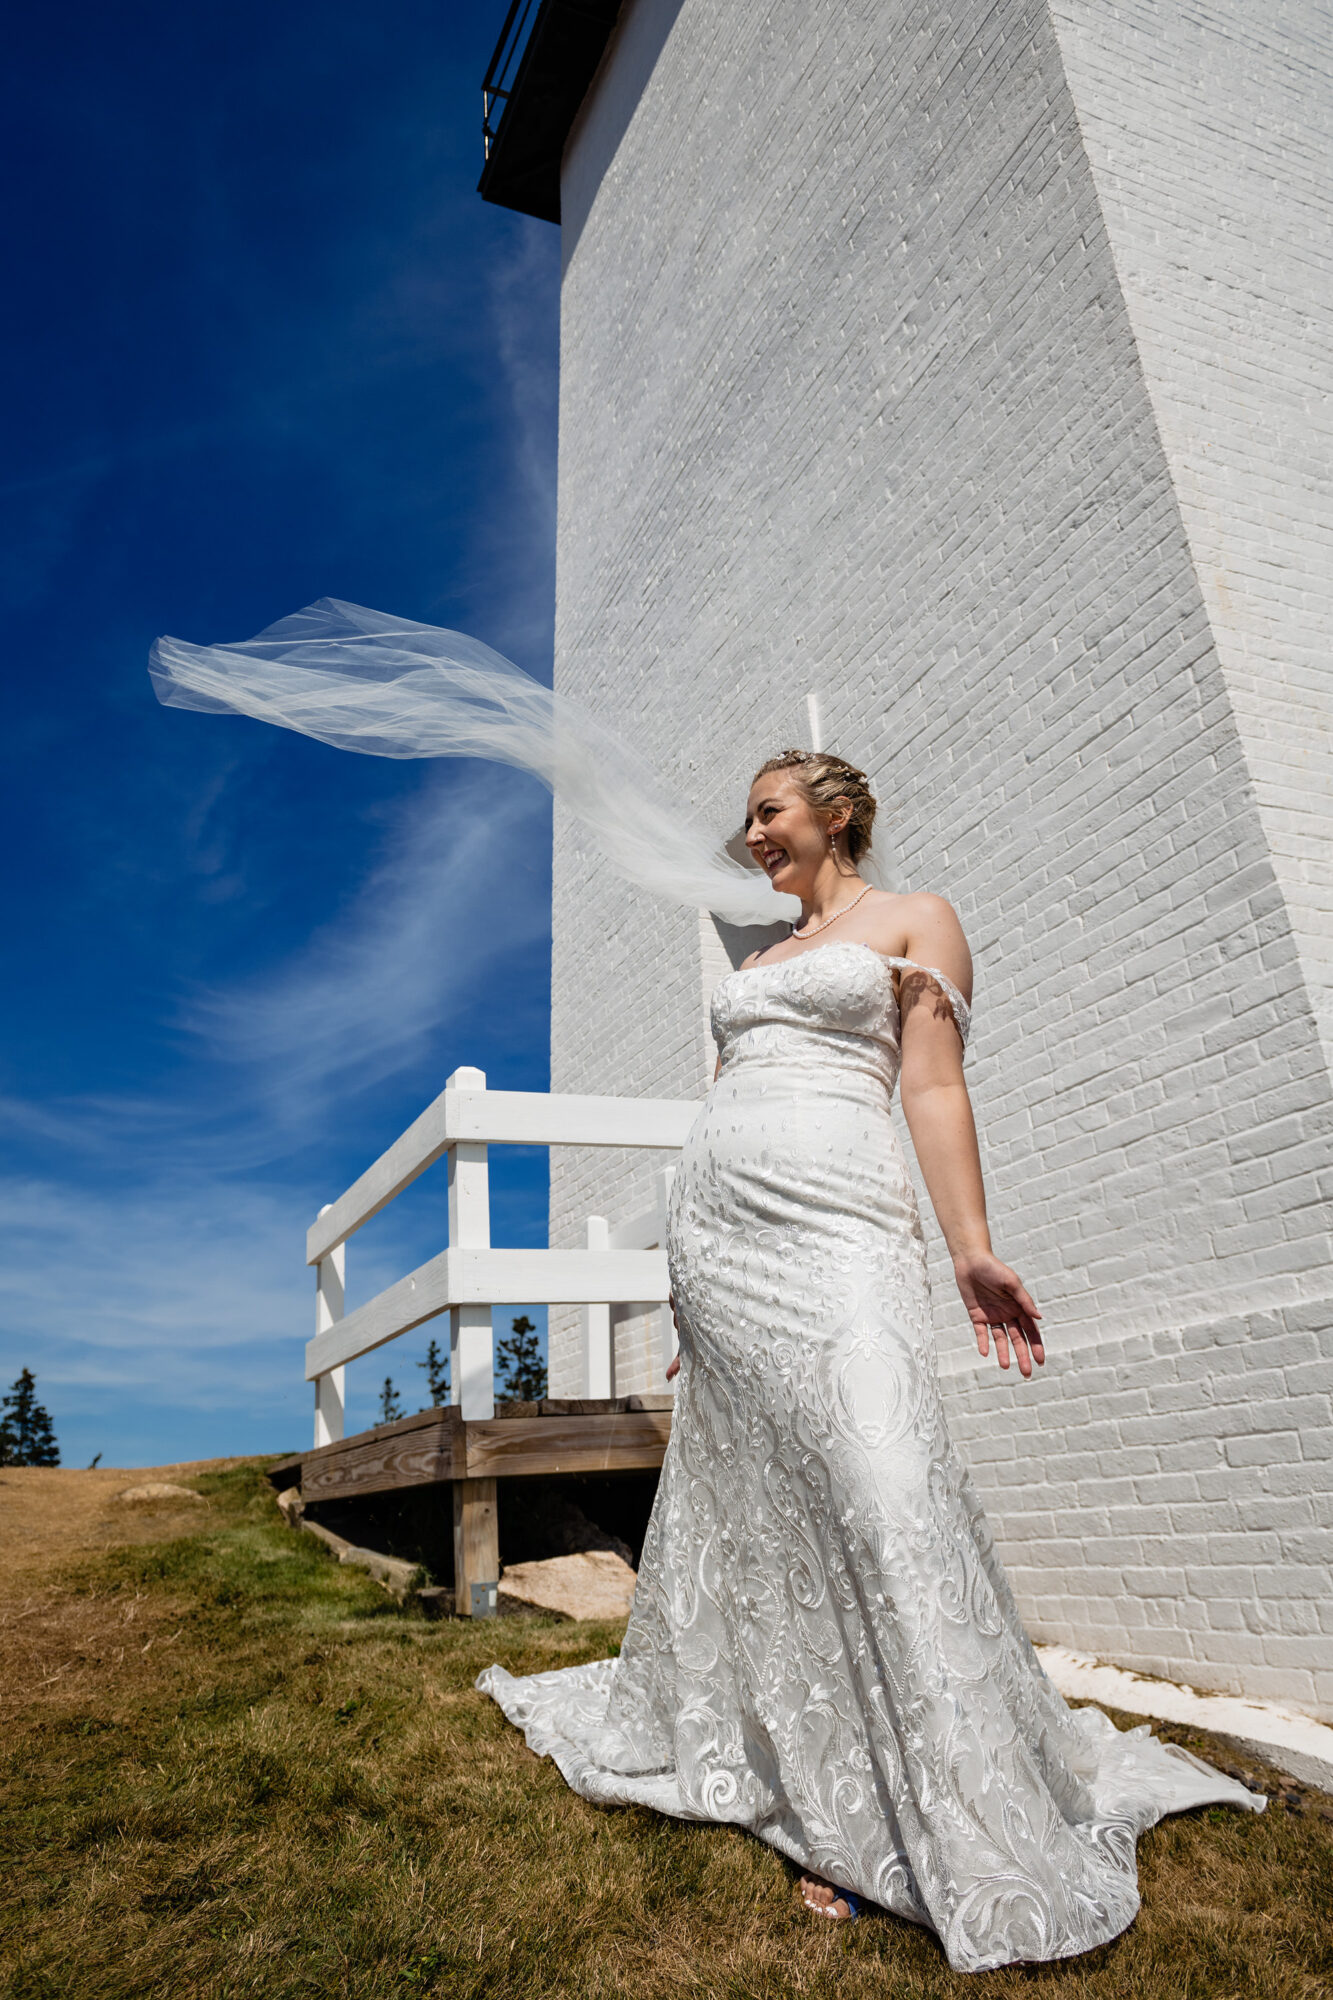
[(911, 912), (922, 926)]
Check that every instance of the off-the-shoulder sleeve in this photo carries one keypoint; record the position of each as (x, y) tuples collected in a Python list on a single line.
[(962, 1013)]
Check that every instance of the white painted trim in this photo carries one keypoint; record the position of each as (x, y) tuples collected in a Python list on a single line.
[(498, 1118), (471, 1326), (486, 1278), (330, 1388), (598, 1349), (647, 1231), (330, 1406)]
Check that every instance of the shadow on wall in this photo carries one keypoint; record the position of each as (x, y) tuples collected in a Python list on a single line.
[(635, 45)]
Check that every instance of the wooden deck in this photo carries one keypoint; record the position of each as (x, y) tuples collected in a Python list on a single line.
[(468, 1455), (616, 1434)]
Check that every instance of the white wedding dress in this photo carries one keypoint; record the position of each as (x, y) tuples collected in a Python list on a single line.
[(823, 1646)]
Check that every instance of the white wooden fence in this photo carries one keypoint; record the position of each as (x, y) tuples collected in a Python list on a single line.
[(621, 1267)]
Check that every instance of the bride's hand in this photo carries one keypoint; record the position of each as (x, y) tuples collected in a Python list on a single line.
[(673, 1366), (998, 1303)]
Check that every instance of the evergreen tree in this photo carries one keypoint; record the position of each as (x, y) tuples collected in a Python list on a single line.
[(524, 1378), (436, 1366), (391, 1403), (26, 1433)]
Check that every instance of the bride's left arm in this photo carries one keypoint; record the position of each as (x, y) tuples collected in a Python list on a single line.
[(938, 1111)]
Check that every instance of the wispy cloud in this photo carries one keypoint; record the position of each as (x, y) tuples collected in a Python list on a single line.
[(513, 556), (176, 1308), (523, 302), (184, 1297), (272, 1064), (460, 884)]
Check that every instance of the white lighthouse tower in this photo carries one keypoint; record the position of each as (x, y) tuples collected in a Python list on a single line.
[(966, 367)]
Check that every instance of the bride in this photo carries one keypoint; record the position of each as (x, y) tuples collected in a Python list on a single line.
[(823, 1646)]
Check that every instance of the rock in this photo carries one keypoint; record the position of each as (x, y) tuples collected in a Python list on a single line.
[(161, 1489), (595, 1584)]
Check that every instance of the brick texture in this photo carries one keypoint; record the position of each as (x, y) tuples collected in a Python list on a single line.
[(1209, 131), (895, 344)]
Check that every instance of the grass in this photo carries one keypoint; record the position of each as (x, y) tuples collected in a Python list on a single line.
[(256, 1777)]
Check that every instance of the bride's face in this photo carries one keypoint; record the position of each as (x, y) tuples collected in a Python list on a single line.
[(783, 834)]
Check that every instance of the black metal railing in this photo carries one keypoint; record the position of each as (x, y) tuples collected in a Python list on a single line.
[(499, 78)]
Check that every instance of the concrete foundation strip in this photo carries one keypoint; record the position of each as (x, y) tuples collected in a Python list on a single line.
[(1296, 1744)]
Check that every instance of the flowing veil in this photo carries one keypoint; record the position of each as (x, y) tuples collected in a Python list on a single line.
[(362, 680)]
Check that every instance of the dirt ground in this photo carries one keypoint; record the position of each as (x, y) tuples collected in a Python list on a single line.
[(57, 1644), (51, 1514)]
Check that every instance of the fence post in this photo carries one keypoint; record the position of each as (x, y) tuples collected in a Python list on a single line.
[(598, 1354), (330, 1389), (472, 1374), (471, 1340), (476, 1548)]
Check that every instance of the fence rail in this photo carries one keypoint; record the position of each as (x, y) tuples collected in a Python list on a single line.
[(624, 1267)]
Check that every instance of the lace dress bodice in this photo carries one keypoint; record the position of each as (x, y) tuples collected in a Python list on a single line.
[(834, 1004)]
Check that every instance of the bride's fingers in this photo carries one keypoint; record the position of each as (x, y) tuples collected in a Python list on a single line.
[(983, 1339), (1022, 1353), (1001, 1345)]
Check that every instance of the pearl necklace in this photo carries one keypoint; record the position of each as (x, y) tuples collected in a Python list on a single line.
[(802, 935)]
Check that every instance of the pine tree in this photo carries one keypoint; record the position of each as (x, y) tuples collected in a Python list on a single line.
[(436, 1366), (391, 1403), (524, 1379), (26, 1433)]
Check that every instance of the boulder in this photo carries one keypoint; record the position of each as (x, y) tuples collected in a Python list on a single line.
[(595, 1584), (161, 1489)]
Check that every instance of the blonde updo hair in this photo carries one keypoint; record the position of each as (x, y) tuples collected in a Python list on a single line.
[(825, 782)]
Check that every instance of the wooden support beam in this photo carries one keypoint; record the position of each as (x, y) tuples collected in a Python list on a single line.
[(476, 1548)]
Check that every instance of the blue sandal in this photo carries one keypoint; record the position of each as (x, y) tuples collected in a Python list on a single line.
[(846, 1896)]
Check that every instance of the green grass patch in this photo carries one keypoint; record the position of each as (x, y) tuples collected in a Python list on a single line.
[(300, 1794)]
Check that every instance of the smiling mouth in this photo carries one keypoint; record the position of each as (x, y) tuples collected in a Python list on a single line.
[(773, 858)]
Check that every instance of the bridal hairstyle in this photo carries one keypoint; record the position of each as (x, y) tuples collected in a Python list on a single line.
[(825, 782)]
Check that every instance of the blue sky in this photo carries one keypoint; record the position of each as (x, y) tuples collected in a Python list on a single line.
[(269, 345)]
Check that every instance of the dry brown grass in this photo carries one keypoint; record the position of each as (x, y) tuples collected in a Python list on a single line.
[(51, 1514), (302, 1795)]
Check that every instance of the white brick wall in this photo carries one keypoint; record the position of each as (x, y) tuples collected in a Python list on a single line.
[(1164, 1500), (859, 395), (1209, 130)]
